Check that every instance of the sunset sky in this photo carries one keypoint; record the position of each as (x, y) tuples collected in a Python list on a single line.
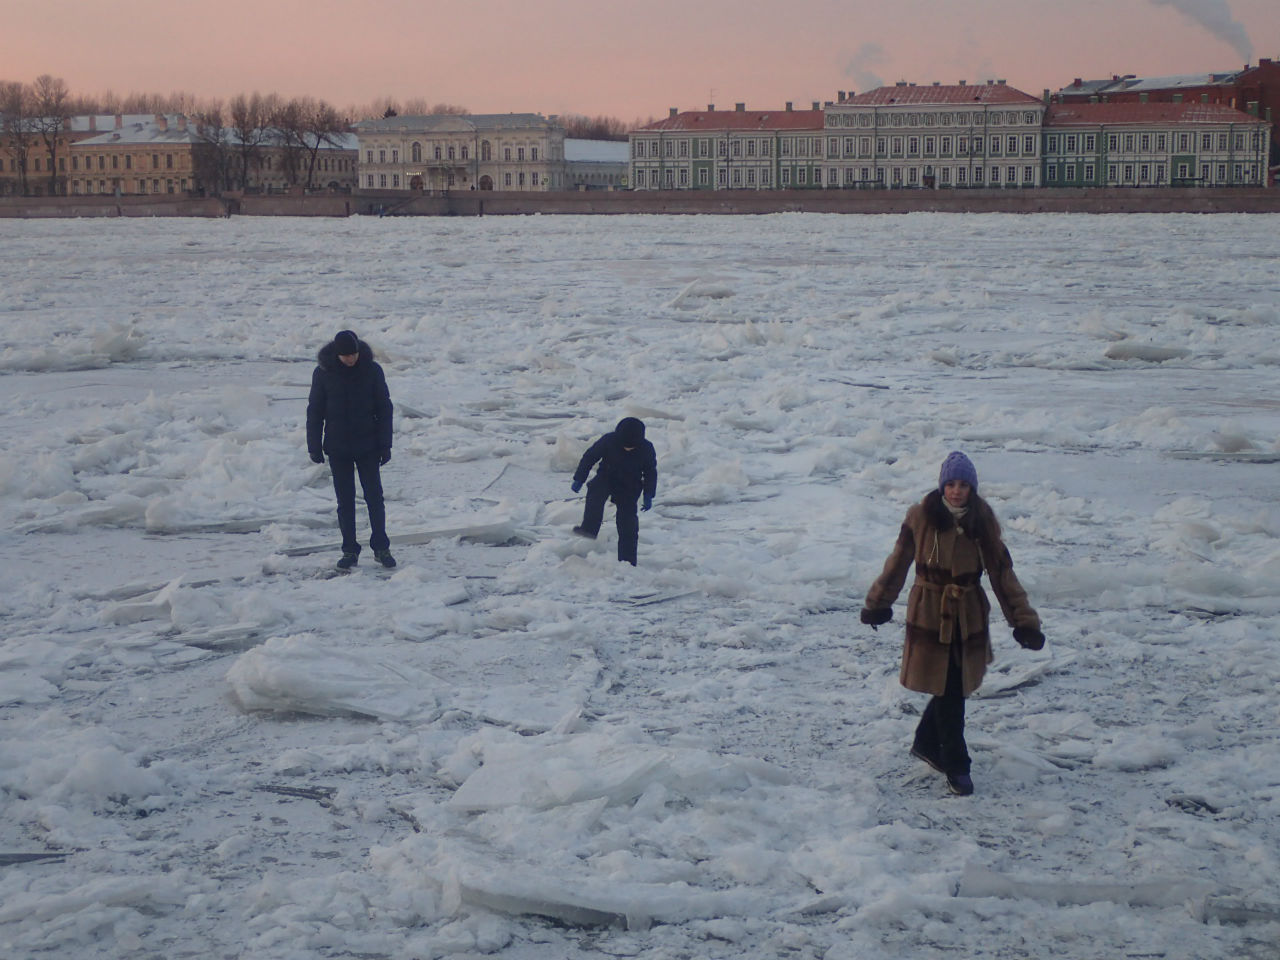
[(627, 61)]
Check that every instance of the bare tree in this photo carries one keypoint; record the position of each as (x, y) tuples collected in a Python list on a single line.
[(288, 130), (249, 116), (214, 157), (49, 96), (322, 127), (17, 127)]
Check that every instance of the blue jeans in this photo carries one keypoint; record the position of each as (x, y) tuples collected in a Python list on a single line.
[(344, 487)]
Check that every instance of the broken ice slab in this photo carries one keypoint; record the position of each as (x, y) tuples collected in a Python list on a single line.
[(8, 859), (500, 531), (981, 882), (1235, 910)]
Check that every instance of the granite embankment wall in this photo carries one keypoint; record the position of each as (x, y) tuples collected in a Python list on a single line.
[(1151, 200)]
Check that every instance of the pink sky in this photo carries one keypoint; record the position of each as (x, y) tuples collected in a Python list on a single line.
[(623, 60)]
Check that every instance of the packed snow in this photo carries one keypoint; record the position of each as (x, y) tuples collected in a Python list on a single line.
[(513, 744)]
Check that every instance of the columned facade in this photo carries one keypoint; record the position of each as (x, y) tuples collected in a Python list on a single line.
[(518, 151)]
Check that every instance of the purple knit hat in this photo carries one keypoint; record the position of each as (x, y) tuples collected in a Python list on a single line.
[(958, 467)]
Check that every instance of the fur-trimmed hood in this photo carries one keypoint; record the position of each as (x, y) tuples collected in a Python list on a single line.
[(327, 357)]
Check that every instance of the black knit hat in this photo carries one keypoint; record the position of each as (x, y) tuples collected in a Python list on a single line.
[(346, 343)]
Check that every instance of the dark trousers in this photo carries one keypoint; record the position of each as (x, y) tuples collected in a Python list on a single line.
[(940, 732), (344, 486), (627, 519)]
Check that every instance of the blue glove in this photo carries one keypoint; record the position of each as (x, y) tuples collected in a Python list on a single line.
[(577, 485), (648, 502)]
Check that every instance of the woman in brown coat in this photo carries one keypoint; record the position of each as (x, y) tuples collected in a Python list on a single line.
[(951, 536)]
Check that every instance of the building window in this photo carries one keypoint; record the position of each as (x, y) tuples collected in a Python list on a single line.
[(1027, 175), (520, 152), (533, 178), (168, 161), (368, 156), (1113, 143), (751, 177), (1145, 142), (913, 146), (1011, 146), (684, 177), (960, 174), (1088, 173), (1029, 146), (382, 156), (1111, 173), (1128, 173), (912, 176), (704, 177), (995, 174), (533, 153), (416, 152), (506, 179), (722, 177), (1011, 175), (382, 181), (881, 144), (395, 156), (520, 178), (395, 180), (1051, 144), (1144, 173)]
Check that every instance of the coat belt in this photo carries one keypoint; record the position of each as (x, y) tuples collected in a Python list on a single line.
[(949, 609)]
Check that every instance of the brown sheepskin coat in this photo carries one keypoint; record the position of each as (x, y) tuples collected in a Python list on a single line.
[(947, 603)]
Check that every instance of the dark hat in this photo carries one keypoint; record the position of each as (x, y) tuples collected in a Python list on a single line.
[(630, 431), (346, 343), (958, 467)]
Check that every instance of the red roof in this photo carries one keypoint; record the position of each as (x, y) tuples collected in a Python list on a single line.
[(708, 120), (1092, 114), (976, 93)]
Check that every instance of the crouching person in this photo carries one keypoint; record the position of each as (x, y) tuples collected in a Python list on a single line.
[(628, 471)]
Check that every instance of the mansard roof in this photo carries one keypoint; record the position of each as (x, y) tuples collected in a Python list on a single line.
[(1093, 114), (707, 121), (940, 94)]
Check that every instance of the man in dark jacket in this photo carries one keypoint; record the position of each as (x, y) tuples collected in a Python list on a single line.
[(628, 469), (349, 418)]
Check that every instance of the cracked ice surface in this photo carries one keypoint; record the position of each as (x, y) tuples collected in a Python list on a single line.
[(512, 744)]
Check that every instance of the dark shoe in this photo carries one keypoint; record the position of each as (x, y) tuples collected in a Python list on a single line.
[(961, 784), (348, 561), (584, 533), (932, 761), (384, 557)]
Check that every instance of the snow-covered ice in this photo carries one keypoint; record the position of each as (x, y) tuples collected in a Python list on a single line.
[(515, 745)]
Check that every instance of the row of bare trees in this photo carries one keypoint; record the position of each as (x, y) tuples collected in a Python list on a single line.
[(232, 136), (31, 115)]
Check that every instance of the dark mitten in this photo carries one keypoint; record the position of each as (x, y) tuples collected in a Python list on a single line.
[(577, 485), (873, 618), (384, 457), (648, 502), (1029, 637), (317, 457)]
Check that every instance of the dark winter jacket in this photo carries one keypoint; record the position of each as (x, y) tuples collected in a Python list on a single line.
[(628, 473), (349, 410), (947, 603)]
